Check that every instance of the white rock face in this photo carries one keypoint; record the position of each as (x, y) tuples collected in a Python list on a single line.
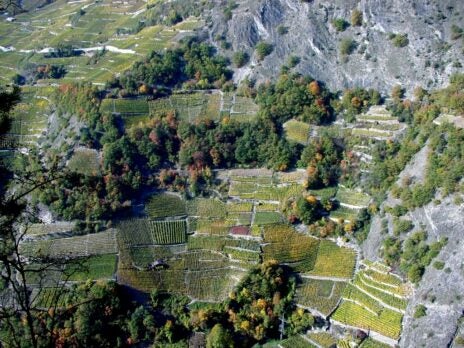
[(427, 60)]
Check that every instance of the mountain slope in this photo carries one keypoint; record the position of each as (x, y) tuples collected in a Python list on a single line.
[(426, 60)]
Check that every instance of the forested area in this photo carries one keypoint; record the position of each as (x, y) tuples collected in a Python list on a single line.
[(167, 153)]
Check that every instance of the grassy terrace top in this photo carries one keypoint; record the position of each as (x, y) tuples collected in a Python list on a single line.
[(86, 25)]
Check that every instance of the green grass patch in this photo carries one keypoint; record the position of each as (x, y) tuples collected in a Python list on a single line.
[(85, 161), (265, 218), (352, 197), (297, 131), (96, 267)]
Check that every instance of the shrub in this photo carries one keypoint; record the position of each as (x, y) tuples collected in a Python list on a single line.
[(228, 10), (400, 40), (263, 49), (439, 265), (282, 30), (293, 61), (415, 273), (240, 59), (347, 46), (401, 226), (356, 18), (398, 210), (340, 24), (421, 311), (456, 32)]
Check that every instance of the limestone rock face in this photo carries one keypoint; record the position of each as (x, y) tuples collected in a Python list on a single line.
[(427, 60)]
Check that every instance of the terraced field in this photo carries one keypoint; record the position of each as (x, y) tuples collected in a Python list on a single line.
[(334, 261), (377, 123), (321, 295), (187, 247), (352, 198), (88, 26), (296, 342), (90, 244), (375, 301), (164, 205), (29, 119), (323, 339), (287, 246)]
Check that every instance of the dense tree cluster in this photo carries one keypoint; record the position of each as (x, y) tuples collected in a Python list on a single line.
[(412, 255), (356, 100), (295, 96), (195, 64), (322, 159)]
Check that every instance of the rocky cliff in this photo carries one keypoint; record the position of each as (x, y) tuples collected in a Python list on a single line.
[(431, 55)]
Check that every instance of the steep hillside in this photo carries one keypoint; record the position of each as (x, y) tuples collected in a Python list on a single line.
[(305, 29), (442, 283)]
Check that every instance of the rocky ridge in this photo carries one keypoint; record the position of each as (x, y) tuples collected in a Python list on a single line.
[(429, 58)]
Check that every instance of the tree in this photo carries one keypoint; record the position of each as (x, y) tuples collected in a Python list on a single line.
[(263, 49), (397, 92), (400, 40), (240, 59), (20, 312), (308, 212), (340, 24), (219, 338), (347, 46), (8, 100)]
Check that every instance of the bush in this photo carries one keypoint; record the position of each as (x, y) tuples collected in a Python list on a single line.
[(439, 265), (415, 273), (402, 226), (398, 210), (293, 61), (228, 10), (340, 24), (456, 32), (400, 40), (356, 18), (282, 30), (263, 49), (240, 59), (421, 311), (347, 46)]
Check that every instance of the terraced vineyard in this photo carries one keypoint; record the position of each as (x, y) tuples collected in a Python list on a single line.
[(164, 205), (321, 295), (95, 267), (375, 301), (103, 24), (377, 123), (387, 323), (29, 118), (168, 232), (343, 214), (90, 244), (296, 342), (125, 107), (334, 261), (206, 208), (323, 339), (286, 245)]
